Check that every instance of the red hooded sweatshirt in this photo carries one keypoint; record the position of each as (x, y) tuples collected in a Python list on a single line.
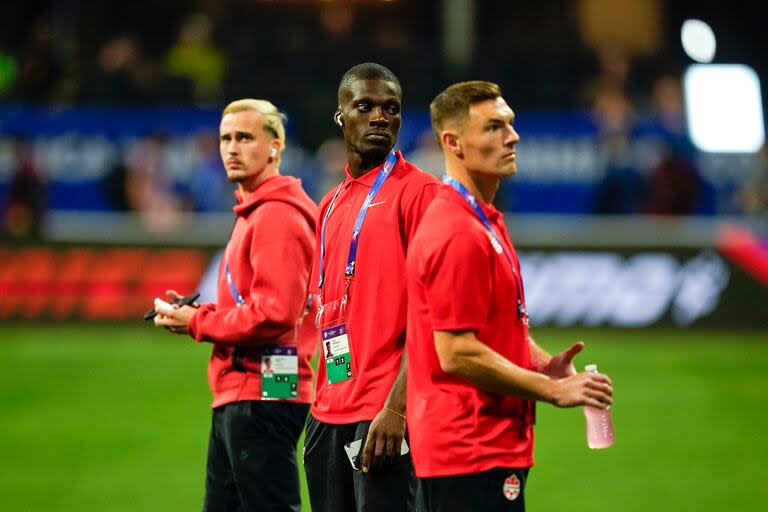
[(269, 257)]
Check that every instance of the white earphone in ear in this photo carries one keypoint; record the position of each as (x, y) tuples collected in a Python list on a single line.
[(273, 153), (337, 118)]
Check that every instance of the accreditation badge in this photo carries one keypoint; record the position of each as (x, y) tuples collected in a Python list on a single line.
[(334, 341), (338, 363), (279, 373)]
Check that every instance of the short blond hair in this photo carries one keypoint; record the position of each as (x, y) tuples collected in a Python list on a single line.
[(274, 120)]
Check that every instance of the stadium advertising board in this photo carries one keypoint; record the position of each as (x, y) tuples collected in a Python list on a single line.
[(625, 287), (92, 283), (641, 288)]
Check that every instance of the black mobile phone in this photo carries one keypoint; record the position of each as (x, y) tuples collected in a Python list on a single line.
[(187, 300)]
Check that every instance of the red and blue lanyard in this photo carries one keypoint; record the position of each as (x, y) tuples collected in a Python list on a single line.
[(230, 281), (349, 272), (472, 201), (236, 294)]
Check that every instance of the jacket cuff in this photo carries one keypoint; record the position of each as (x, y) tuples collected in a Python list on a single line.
[(195, 323)]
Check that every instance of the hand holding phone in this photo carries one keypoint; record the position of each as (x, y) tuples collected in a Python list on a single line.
[(355, 457), (188, 300)]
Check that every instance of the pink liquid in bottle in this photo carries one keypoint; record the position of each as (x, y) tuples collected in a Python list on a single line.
[(599, 425)]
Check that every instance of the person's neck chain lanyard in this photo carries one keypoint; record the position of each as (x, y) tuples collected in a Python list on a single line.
[(472, 201), (349, 272)]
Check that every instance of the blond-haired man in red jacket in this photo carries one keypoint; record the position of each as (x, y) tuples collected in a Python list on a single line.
[(259, 409)]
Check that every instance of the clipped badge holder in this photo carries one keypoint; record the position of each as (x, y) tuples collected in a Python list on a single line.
[(334, 340), (279, 373)]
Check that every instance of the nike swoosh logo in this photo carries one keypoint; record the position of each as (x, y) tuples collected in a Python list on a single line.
[(374, 204)]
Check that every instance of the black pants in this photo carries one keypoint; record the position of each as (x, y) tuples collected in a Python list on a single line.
[(335, 487), (476, 492), (252, 457)]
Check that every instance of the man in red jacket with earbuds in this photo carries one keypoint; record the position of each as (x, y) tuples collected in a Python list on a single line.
[(259, 370), (355, 457)]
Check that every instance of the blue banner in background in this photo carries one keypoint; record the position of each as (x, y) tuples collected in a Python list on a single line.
[(110, 122), (87, 155)]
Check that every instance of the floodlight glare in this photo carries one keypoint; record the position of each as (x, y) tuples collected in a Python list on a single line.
[(698, 41), (724, 108)]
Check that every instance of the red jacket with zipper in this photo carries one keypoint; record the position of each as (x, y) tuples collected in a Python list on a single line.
[(270, 256)]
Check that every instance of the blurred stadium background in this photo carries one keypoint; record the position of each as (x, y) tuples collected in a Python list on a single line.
[(638, 232)]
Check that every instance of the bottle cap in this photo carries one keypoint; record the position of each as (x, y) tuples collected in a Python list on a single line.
[(591, 368)]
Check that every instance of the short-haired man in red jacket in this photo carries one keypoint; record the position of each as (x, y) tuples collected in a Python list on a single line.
[(259, 409), (474, 372)]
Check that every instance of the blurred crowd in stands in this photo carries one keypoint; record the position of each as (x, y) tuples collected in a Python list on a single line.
[(204, 54)]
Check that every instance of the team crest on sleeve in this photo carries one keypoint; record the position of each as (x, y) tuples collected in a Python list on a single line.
[(495, 243), (511, 487)]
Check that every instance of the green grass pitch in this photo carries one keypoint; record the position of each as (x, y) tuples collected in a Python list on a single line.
[(115, 418)]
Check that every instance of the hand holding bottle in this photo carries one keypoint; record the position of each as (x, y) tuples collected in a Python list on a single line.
[(599, 425)]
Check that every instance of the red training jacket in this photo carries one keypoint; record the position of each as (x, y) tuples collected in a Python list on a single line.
[(377, 295), (270, 257)]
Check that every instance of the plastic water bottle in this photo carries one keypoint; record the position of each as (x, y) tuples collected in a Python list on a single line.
[(599, 425)]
